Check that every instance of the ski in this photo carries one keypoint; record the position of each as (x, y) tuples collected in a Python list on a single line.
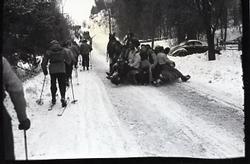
[(51, 107), (63, 108)]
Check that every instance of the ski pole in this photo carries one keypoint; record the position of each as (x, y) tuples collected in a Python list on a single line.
[(74, 101), (25, 144), (40, 100), (76, 75), (90, 59)]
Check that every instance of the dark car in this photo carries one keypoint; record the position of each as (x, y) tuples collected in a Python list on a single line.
[(189, 47)]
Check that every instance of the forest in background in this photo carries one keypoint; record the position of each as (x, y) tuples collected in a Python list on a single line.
[(28, 27), (180, 19)]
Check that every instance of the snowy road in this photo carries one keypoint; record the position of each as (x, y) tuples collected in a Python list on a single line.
[(129, 121)]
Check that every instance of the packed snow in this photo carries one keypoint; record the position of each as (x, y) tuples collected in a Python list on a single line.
[(202, 118), (222, 77)]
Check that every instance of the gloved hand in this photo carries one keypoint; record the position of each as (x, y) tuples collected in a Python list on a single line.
[(24, 125), (45, 72)]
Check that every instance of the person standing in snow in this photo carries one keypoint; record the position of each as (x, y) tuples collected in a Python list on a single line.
[(57, 57), (75, 49), (71, 61), (85, 49), (111, 50), (12, 84)]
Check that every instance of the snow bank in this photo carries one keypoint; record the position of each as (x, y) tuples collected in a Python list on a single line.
[(222, 76)]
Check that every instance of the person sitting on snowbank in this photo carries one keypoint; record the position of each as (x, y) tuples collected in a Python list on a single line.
[(165, 68), (134, 60), (12, 84)]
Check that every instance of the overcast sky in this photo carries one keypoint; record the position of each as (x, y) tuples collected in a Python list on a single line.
[(79, 10)]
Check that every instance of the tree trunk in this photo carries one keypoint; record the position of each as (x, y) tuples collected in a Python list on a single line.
[(225, 26), (153, 38), (110, 28), (221, 31), (210, 41)]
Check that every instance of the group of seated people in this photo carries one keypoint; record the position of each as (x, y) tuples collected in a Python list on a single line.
[(140, 64)]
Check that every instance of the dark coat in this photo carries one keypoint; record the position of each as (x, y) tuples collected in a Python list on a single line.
[(56, 56), (75, 51), (85, 49)]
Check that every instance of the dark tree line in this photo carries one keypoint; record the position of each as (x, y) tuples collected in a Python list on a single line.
[(29, 26), (180, 19)]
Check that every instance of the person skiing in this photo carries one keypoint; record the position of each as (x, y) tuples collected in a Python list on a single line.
[(71, 61), (57, 57), (85, 49), (12, 84), (75, 49)]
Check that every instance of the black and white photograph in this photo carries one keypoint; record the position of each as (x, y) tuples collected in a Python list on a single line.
[(122, 79)]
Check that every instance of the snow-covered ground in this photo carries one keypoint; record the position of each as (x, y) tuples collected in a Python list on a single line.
[(193, 119), (222, 78)]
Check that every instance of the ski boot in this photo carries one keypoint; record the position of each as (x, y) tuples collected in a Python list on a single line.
[(185, 78), (64, 102), (53, 102)]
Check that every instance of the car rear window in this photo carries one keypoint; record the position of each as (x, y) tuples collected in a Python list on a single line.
[(194, 43)]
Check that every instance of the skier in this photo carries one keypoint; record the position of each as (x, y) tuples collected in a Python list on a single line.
[(71, 61), (85, 49), (75, 49), (57, 57), (13, 86)]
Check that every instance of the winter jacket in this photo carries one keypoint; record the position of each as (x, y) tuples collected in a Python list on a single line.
[(152, 58), (75, 51), (85, 49), (71, 57), (56, 56), (163, 59), (134, 59), (12, 84), (111, 48)]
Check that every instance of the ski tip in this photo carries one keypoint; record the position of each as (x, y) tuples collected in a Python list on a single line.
[(74, 101)]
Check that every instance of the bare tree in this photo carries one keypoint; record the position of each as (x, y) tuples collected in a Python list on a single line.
[(210, 11)]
